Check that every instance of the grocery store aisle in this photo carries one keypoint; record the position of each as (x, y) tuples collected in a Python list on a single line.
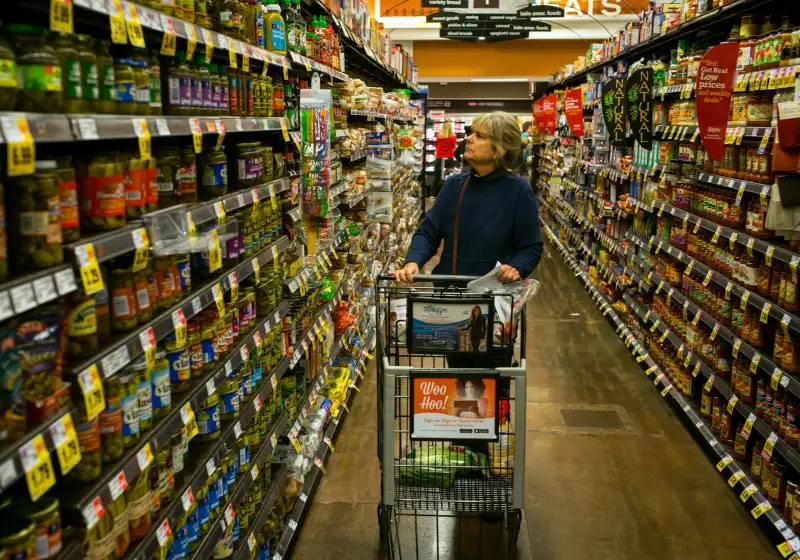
[(610, 471)]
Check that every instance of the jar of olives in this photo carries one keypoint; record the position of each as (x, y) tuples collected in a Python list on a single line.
[(166, 479), (208, 419), (90, 75), (214, 171), (90, 465), (195, 349), (68, 200), (38, 69), (208, 340), (107, 103), (123, 298), (139, 504), (144, 391), (71, 78), (230, 399), (120, 533), (168, 163), (82, 330), (135, 186), (186, 177), (213, 496), (160, 380), (36, 215), (179, 364), (102, 194), (111, 439), (180, 446), (143, 287)]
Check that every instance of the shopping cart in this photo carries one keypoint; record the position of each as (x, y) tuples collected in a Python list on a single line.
[(450, 404)]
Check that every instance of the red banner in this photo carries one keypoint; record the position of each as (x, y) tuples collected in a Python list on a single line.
[(573, 109), (538, 118), (549, 113), (714, 87)]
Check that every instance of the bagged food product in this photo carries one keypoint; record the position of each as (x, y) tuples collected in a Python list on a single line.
[(438, 465), (501, 452)]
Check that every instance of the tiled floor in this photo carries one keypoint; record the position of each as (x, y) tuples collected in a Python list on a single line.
[(611, 474)]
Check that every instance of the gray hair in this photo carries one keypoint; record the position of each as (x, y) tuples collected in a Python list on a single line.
[(506, 137)]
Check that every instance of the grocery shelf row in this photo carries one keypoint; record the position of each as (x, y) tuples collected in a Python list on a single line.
[(730, 469)]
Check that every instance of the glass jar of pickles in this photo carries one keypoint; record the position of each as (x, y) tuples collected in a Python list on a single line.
[(123, 298), (139, 504), (179, 363), (160, 381), (230, 399), (111, 440), (90, 465), (144, 391), (208, 418), (130, 409)]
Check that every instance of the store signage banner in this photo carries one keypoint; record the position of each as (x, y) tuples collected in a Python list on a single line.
[(573, 109), (549, 113), (462, 4), (538, 117), (537, 11), (462, 407), (614, 109), (639, 94), (714, 86)]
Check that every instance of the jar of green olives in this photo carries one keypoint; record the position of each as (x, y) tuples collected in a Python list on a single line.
[(214, 171), (144, 391), (36, 215), (82, 331), (123, 298), (90, 465), (111, 439), (120, 533), (140, 501), (179, 364), (194, 343), (230, 399), (160, 380), (38, 68), (208, 419), (102, 194)]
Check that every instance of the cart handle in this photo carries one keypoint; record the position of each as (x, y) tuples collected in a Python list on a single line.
[(433, 278)]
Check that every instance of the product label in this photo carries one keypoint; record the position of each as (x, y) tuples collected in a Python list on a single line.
[(40, 78), (197, 92), (144, 400), (142, 296), (184, 92), (89, 437), (196, 356), (179, 368), (162, 395), (215, 175), (244, 454), (209, 351), (142, 95), (249, 168), (91, 81), (68, 203), (135, 188), (111, 417), (83, 319), (102, 196), (206, 93), (8, 73), (277, 36), (107, 84), (124, 304), (74, 81), (174, 91), (125, 91), (230, 403), (208, 421), (185, 275)]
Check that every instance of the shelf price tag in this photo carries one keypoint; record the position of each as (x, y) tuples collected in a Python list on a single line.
[(765, 311), (163, 533), (187, 499), (119, 35), (732, 240), (294, 442), (143, 134), (169, 40), (735, 477), (655, 325), (37, 466), (148, 341), (135, 35), (726, 460), (743, 302), (142, 244), (714, 332), (233, 280), (245, 59), (92, 389), (732, 404), (663, 336), (748, 426), (117, 485), (760, 509), (197, 135), (66, 442), (707, 279), (21, 152), (697, 225), (736, 345), (187, 416), (216, 292), (696, 369), (754, 363), (710, 383), (179, 324), (214, 253), (769, 445), (775, 379), (231, 53), (715, 237), (284, 130), (144, 457), (191, 41), (320, 464), (697, 317), (747, 492), (220, 125), (768, 255), (750, 243), (61, 16)]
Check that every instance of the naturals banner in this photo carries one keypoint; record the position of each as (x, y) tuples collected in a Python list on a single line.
[(549, 110), (538, 117), (639, 94), (573, 109), (614, 109), (714, 86), (450, 408)]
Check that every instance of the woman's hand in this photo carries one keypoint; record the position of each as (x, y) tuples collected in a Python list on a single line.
[(406, 274), (507, 274)]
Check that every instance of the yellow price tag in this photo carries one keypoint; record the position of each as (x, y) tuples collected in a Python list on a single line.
[(285, 72), (754, 363), (142, 244), (21, 151), (214, 252), (233, 280), (696, 132), (191, 41), (715, 237), (169, 40), (119, 35), (707, 279), (327, 258), (276, 262), (90, 270), (245, 59), (209, 42), (768, 255), (732, 404), (197, 135), (135, 35), (732, 241), (38, 469), (743, 302), (736, 346), (189, 420), (179, 324), (760, 509), (273, 199), (663, 336), (735, 477), (284, 130), (765, 311), (231, 53), (216, 291), (747, 492), (333, 251), (92, 389), (61, 16), (141, 131), (256, 269), (727, 460), (709, 384), (68, 450)]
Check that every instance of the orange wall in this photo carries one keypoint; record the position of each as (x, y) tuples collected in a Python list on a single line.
[(510, 58)]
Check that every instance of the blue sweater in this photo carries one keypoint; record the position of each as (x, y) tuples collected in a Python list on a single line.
[(498, 221)]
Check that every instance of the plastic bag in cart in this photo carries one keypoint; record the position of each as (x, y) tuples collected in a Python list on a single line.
[(520, 291)]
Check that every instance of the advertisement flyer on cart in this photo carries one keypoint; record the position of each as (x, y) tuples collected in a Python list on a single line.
[(454, 407)]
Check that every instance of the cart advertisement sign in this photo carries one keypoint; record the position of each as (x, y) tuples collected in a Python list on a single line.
[(443, 326), (451, 408), (714, 88), (573, 109)]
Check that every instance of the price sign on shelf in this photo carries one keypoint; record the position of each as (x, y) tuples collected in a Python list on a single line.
[(21, 152), (168, 40), (92, 389), (119, 35), (144, 457), (66, 441), (142, 244), (179, 324), (133, 26), (38, 469), (147, 339), (191, 41), (61, 16)]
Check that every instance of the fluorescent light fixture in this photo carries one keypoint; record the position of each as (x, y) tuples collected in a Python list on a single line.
[(499, 79)]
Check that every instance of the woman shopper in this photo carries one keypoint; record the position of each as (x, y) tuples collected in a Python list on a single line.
[(445, 153), (486, 216)]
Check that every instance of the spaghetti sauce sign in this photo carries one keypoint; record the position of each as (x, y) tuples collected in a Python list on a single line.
[(614, 109), (450, 408), (714, 86)]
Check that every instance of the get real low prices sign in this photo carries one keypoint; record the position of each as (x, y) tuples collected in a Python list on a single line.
[(549, 113), (573, 109), (451, 407), (538, 117), (714, 87)]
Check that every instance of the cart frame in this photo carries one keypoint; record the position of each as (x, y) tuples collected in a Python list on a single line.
[(498, 496)]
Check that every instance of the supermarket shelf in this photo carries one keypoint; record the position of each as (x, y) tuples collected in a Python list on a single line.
[(686, 133), (339, 188), (257, 523), (699, 368), (10, 459), (205, 458), (293, 283), (756, 301), (735, 184), (314, 476), (99, 494), (110, 244), (243, 483), (114, 357), (755, 501), (154, 21), (716, 17), (725, 233), (37, 288), (310, 65), (295, 213), (237, 200), (352, 201)]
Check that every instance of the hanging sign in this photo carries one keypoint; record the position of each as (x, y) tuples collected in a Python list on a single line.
[(538, 117), (639, 95), (462, 4), (549, 113), (614, 109), (538, 11), (573, 109), (714, 86)]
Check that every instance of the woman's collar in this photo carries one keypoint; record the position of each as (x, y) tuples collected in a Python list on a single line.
[(496, 174)]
